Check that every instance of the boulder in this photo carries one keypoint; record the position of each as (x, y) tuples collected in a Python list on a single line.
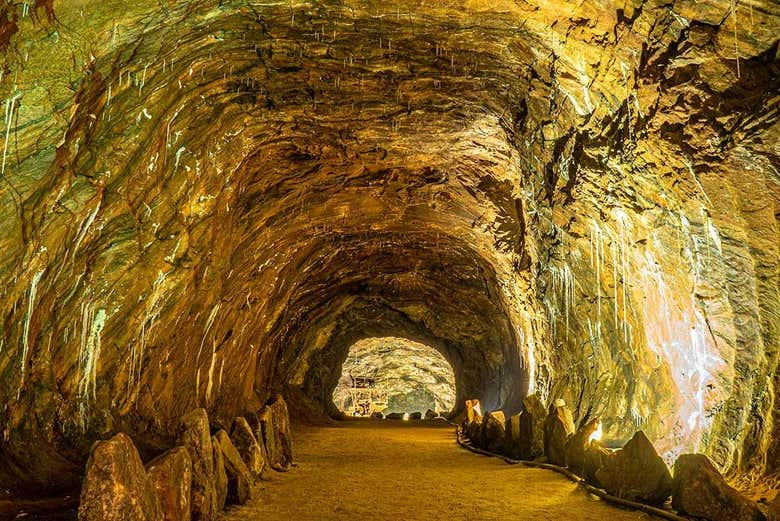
[(532, 428), (578, 443), (512, 437), (171, 476), (493, 428), (430, 414), (473, 411), (699, 490), (377, 415), (472, 424), (196, 438), (248, 447), (116, 486), (395, 416), (239, 478), (220, 477), (558, 426), (415, 416), (636, 473), (276, 435), (595, 457)]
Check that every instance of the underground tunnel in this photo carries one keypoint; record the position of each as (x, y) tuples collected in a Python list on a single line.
[(554, 224)]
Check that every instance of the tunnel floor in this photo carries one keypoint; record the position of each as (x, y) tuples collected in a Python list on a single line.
[(368, 469)]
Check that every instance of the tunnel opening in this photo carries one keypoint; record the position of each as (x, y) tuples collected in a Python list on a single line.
[(394, 375)]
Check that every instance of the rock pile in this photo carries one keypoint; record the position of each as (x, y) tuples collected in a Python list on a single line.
[(192, 481), (635, 472)]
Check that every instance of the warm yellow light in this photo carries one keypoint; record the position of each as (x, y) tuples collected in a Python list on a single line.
[(597, 434), (406, 416), (478, 409)]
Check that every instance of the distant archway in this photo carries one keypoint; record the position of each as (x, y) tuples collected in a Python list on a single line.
[(391, 374)]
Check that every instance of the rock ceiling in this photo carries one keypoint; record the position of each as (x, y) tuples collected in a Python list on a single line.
[(202, 201)]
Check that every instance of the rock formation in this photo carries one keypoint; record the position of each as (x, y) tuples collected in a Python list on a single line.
[(204, 202), (171, 477), (493, 431), (700, 491), (578, 444), (195, 437), (239, 476), (116, 486), (558, 427), (248, 446), (636, 473)]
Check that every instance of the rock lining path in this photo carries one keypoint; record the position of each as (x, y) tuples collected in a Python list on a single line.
[(374, 470)]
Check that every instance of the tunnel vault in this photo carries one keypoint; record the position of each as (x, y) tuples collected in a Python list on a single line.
[(203, 201)]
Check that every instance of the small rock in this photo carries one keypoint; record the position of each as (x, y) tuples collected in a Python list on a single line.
[(116, 486), (196, 438), (577, 444), (430, 414), (558, 426), (699, 490), (395, 416), (636, 473), (171, 475), (377, 415), (248, 447), (493, 429), (220, 477), (415, 416), (239, 478)]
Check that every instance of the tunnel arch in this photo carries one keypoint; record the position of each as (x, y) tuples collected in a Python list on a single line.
[(222, 152)]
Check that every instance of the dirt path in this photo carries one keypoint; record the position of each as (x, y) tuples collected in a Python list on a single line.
[(366, 470)]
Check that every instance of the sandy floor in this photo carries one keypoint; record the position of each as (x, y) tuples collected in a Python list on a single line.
[(389, 470)]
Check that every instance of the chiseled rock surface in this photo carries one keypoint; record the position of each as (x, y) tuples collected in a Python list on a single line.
[(636, 472), (203, 201), (249, 448), (171, 476), (700, 491), (558, 427), (239, 477), (116, 486), (196, 438)]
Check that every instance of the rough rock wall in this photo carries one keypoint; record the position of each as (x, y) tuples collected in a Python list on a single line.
[(202, 200)]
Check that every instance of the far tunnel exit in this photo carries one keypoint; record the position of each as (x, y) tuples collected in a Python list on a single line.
[(394, 375)]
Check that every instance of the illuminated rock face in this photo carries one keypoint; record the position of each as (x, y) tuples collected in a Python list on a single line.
[(202, 202), (412, 377)]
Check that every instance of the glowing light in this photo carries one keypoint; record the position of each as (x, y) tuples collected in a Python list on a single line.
[(406, 416), (597, 434), (478, 408)]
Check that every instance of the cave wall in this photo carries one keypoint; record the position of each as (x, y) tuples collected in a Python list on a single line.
[(202, 201)]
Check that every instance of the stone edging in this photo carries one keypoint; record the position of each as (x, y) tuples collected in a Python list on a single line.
[(464, 442)]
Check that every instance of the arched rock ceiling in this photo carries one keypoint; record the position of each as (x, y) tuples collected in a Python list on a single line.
[(201, 201)]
